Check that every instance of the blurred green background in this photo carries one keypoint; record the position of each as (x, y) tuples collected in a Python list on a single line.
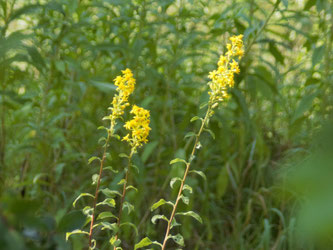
[(269, 168)]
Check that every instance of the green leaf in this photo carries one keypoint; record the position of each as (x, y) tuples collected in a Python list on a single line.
[(190, 134), (174, 223), (22, 11), (132, 187), (192, 214), (114, 242), (178, 238), (160, 203), (108, 202), (178, 160), (305, 104), (222, 183), (143, 243), (82, 195), (185, 199), (158, 217), (37, 59), (110, 226), (276, 53), (309, 4), (318, 54), (94, 178), (129, 207), (87, 210), (121, 182), (146, 242), (122, 155), (91, 159), (202, 105), (195, 118), (173, 180), (104, 215), (188, 188), (111, 169), (110, 193), (210, 132), (199, 173), (77, 231)]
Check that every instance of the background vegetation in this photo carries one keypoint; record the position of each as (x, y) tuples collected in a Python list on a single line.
[(58, 59)]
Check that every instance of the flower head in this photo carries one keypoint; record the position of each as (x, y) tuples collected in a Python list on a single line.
[(223, 77), (139, 127), (125, 87)]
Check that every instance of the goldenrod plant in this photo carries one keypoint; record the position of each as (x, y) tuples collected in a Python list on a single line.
[(139, 131), (139, 127), (221, 80)]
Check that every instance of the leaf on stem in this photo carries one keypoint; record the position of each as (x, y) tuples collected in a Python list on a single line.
[(178, 238), (192, 214), (178, 160), (77, 231), (160, 203), (110, 193), (158, 217), (146, 242), (81, 195), (104, 215), (199, 173), (91, 159), (108, 202), (173, 181)]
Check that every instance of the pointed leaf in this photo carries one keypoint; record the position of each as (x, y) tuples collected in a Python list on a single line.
[(81, 195), (199, 173), (178, 160), (129, 207), (110, 193), (104, 215), (91, 159), (158, 217), (75, 232), (192, 214), (143, 243), (190, 134), (188, 188), (173, 181), (178, 238), (160, 203)]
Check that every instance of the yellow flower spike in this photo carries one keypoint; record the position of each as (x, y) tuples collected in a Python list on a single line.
[(223, 77), (125, 87), (139, 127)]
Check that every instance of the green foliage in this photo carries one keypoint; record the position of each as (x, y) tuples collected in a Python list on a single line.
[(57, 62)]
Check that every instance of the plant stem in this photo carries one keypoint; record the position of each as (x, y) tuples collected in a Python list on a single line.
[(249, 46), (124, 193), (185, 175), (98, 184)]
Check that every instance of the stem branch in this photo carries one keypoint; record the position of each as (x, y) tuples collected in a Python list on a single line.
[(124, 193), (97, 186), (184, 178)]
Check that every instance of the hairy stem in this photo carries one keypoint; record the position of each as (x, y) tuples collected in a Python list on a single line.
[(188, 165), (124, 192), (97, 186)]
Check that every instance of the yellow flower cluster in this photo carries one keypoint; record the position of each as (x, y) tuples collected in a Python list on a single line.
[(223, 77), (125, 87), (139, 126)]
